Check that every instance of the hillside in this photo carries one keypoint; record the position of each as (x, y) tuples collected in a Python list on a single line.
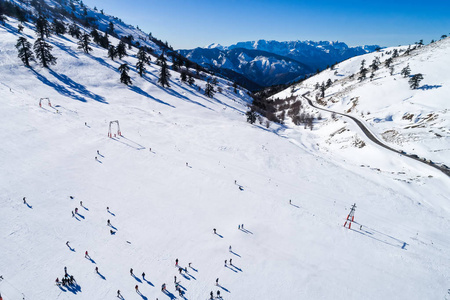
[(184, 165), (413, 120)]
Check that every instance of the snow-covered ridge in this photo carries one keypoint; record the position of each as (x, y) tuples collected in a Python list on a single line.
[(412, 120)]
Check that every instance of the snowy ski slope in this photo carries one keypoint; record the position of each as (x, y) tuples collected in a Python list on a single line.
[(162, 209)]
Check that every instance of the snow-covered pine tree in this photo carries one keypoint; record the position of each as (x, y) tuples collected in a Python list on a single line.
[(42, 27), (74, 30), (415, 80), (406, 71), (121, 50), (112, 52), (43, 52), (25, 53), (124, 78), (164, 75), (83, 43), (209, 89), (143, 60)]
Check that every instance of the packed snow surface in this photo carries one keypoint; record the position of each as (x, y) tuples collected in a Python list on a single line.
[(175, 174)]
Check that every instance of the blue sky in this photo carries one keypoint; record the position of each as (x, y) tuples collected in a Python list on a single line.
[(197, 23)]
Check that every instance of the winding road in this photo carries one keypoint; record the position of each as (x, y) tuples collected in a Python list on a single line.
[(371, 137)]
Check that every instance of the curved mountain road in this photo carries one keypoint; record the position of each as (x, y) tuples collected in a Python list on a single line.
[(369, 135)]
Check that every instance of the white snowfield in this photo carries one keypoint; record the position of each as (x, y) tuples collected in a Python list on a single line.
[(175, 175)]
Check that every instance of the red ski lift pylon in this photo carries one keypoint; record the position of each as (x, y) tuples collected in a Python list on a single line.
[(110, 134), (40, 102)]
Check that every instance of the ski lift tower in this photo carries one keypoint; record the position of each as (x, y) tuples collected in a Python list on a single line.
[(351, 216), (110, 134), (43, 99)]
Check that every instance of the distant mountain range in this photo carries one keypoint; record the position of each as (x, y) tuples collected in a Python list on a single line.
[(264, 63)]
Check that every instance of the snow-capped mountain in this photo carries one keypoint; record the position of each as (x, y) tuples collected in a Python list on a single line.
[(270, 62), (248, 210)]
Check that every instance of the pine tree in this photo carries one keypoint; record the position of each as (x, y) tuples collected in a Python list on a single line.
[(74, 31), (164, 75), (235, 87), (329, 83), (251, 116), (322, 90), (2, 16), (209, 89), (124, 78), (96, 36), (161, 59), (143, 60), (121, 50), (42, 27), (406, 71), (395, 53), (112, 52), (43, 52), (363, 73), (183, 76), (111, 28), (191, 80), (83, 43), (375, 64), (59, 27), (104, 41), (388, 62), (25, 53), (415, 80)]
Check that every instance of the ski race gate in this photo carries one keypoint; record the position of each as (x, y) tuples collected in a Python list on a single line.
[(43, 99), (110, 134)]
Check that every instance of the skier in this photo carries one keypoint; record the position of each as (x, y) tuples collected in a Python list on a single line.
[(185, 270), (85, 123), (231, 262), (137, 288), (180, 270), (143, 275), (290, 201), (98, 152), (225, 262), (229, 248), (242, 226), (217, 281), (163, 288), (65, 271), (76, 210), (235, 182), (71, 197), (239, 226), (57, 281), (214, 231), (107, 208), (86, 255), (131, 272), (190, 265), (71, 279), (67, 244), (186, 164), (108, 222), (218, 294), (96, 270), (24, 201), (118, 294), (212, 295), (81, 203), (176, 262), (96, 158), (73, 215), (112, 232), (175, 279)]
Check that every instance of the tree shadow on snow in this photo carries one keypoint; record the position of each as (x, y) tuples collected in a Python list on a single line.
[(145, 94), (66, 49), (77, 87), (429, 87)]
